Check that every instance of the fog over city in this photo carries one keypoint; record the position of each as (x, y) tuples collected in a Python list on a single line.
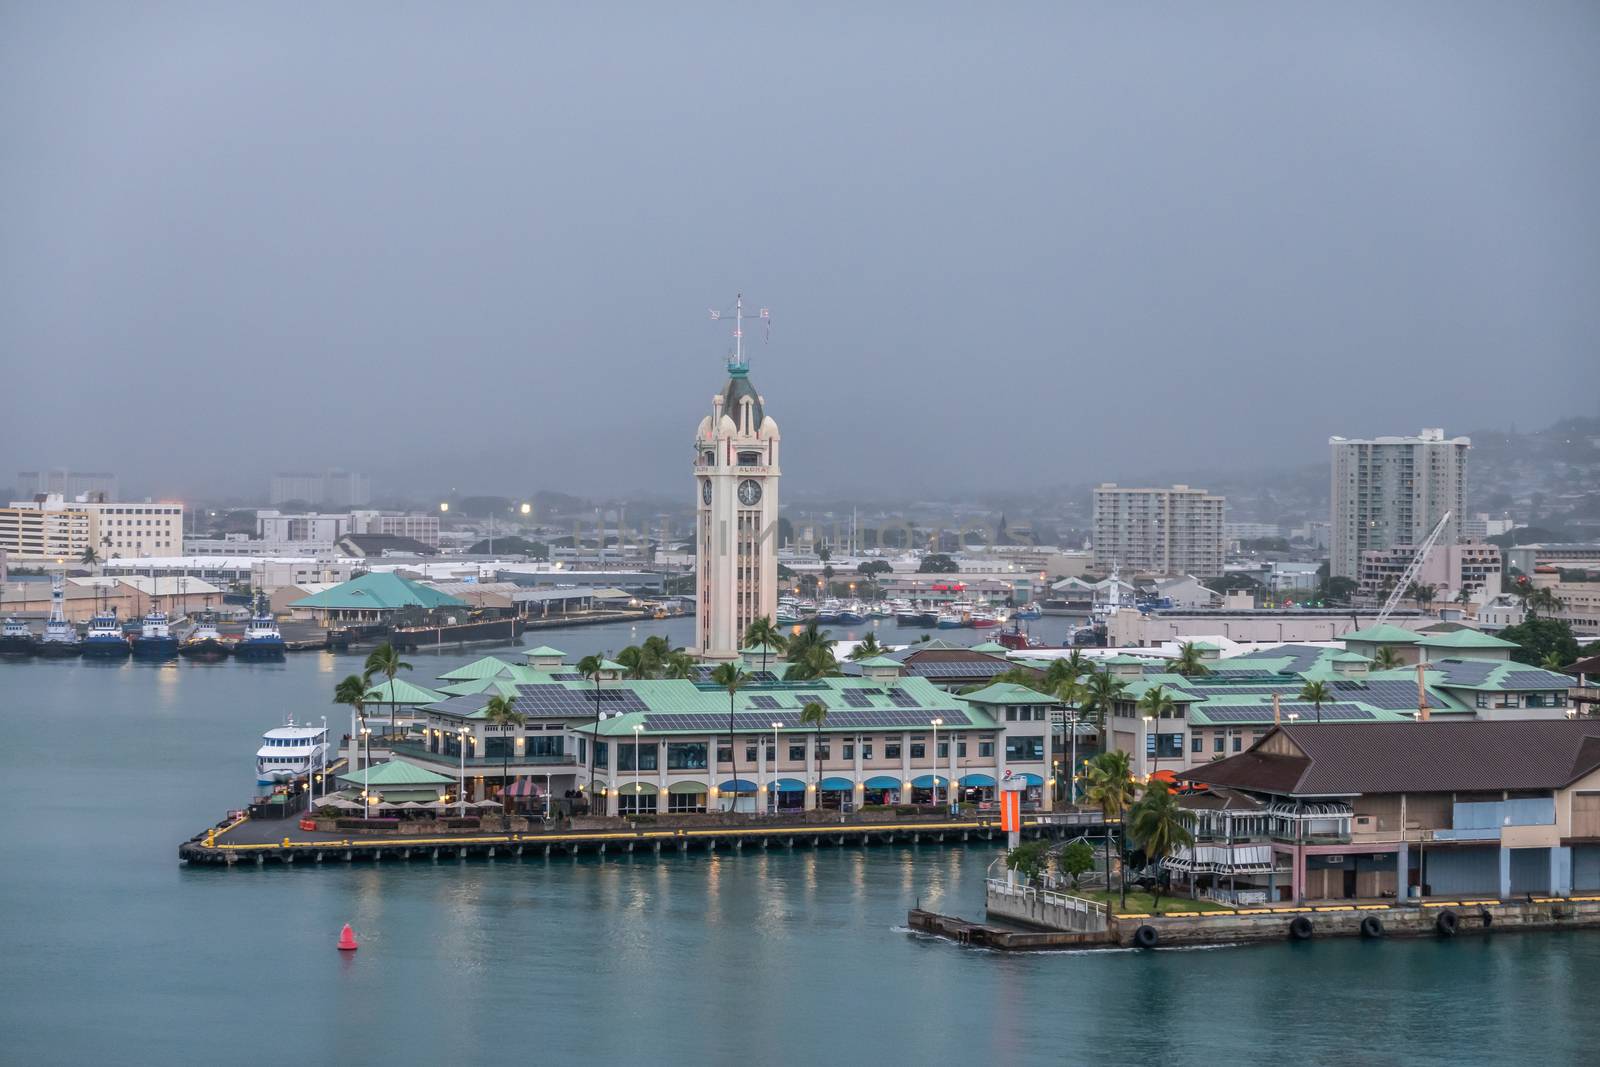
[(474, 246)]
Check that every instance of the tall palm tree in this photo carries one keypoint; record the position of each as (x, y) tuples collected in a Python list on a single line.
[(589, 667), (1155, 703), (636, 660), (816, 715), (501, 712), (763, 634), (1387, 659), (810, 636), (1189, 662), (818, 662), (1553, 661), (1072, 693), (352, 692), (1063, 669), (385, 660), (731, 677), (1103, 690), (656, 650), (90, 557), (680, 665), (1112, 790), (1316, 694), (866, 648), (1161, 826), (1544, 599)]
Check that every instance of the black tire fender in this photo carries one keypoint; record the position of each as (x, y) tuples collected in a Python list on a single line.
[(1488, 918), (1446, 923), (1371, 927), (1146, 937), (1300, 928)]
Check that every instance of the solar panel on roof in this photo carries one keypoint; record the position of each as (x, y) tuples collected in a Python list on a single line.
[(903, 699), (1532, 680), (1305, 713), (763, 701), (1466, 671), (857, 699), (559, 700), (747, 722), (945, 669)]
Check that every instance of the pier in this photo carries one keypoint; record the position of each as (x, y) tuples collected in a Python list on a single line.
[(243, 840)]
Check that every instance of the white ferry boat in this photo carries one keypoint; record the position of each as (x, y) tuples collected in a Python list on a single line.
[(289, 751)]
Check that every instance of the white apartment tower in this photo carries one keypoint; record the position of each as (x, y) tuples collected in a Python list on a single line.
[(1389, 492), (736, 491), (1159, 531)]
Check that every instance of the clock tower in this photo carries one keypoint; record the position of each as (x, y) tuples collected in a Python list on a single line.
[(736, 499)]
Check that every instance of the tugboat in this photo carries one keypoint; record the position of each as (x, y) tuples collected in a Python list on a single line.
[(105, 637), (60, 637), (204, 641), (262, 638), (15, 638), (155, 640)]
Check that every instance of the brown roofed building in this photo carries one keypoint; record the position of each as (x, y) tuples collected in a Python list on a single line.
[(1492, 808)]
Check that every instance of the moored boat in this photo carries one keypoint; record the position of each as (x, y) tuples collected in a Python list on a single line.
[(290, 751), (105, 637), (262, 639), (204, 641), (15, 638), (156, 639), (60, 638)]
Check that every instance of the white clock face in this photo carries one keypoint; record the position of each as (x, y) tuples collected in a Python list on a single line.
[(705, 490), (749, 493)]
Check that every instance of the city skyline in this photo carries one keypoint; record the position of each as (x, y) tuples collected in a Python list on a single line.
[(478, 287)]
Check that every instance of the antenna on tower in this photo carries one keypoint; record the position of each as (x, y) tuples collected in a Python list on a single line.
[(765, 314)]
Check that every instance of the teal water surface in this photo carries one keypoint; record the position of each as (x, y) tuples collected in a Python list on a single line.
[(112, 953)]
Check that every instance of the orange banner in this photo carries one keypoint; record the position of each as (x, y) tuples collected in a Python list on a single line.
[(1011, 810)]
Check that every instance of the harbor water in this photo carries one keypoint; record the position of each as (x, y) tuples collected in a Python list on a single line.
[(111, 952)]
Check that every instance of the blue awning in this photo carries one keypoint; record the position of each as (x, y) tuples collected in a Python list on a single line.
[(977, 779), (789, 785), (737, 785), (1030, 779), (928, 781), (882, 781), (838, 784)]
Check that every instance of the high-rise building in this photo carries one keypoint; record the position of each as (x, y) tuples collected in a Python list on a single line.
[(69, 485), (49, 527), (333, 488), (1390, 492), (1178, 530), (736, 489)]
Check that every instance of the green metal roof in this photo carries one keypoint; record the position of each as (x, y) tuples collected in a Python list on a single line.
[(544, 650), (487, 667), (612, 665), (496, 686), (378, 591), (1383, 635), (1349, 657), (991, 646), (1465, 639), (1008, 693), (404, 692), (395, 772), (879, 661), (761, 650)]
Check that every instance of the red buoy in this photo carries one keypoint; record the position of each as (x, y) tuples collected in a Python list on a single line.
[(347, 939)]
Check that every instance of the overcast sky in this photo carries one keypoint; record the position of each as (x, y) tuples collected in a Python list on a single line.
[(474, 245)]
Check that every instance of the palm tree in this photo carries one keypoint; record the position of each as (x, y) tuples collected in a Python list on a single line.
[(1316, 693), (818, 662), (1553, 661), (1544, 599), (386, 661), (1072, 692), (1464, 597), (866, 648), (1070, 667), (1103, 689), (637, 662), (681, 666), (1422, 593), (90, 557), (816, 715), (1189, 662), (1161, 826), (763, 634), (1155, 703), (731, 677), (353, 692), (1387, 659), (501, 712), (589, 667), (1111, 789)]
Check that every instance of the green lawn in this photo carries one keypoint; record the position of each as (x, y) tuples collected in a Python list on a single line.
[(1140, 902)]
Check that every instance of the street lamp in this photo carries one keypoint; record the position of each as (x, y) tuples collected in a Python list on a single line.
[(444, 505), (773, 790), (936, 724), (461, 794)]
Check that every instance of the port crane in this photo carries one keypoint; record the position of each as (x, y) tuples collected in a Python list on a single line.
[(1409, 575)]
